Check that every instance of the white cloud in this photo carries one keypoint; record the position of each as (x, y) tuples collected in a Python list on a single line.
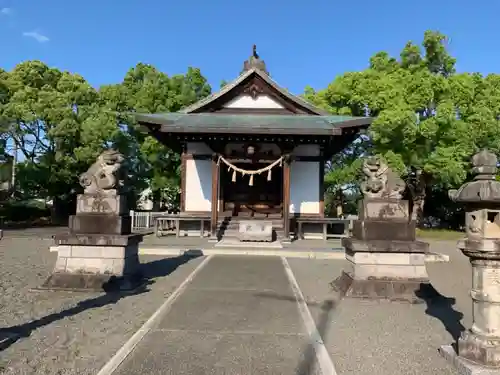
[(6, 11), (40, 38)]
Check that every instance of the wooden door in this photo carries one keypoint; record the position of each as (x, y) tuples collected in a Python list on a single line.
[(262, 197)]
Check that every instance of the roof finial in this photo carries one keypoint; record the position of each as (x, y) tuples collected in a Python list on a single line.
[(255, 62)]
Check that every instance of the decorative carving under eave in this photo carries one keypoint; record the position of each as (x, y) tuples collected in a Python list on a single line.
[(106, 175), (381, 181), (254, 90)]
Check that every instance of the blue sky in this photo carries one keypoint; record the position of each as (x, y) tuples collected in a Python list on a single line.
[(302, 42)]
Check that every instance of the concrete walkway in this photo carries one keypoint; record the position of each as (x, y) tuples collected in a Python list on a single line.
[(234, 317)]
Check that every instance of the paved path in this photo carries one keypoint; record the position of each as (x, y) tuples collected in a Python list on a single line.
[(237, 316)]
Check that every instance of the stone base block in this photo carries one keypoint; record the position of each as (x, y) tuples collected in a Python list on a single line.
[(384, 230), (93, 223), (96, 267), (115, 204), (114, 260), (479, 349), (7, 338), (353, 245), (412, 291), (463, 365), (408, 259), (387, 266), (384, 209), (83, 239), (255, 231)]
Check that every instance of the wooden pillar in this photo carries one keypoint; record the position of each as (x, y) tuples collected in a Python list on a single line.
[(322, 188), (286, 197), (183, 181), (215, 197)]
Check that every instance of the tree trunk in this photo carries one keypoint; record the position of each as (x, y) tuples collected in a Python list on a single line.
[(418, 194), (62, 209), (418, 209), (156, 198)]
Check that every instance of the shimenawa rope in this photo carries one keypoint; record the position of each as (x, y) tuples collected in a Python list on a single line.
[(245, 172)]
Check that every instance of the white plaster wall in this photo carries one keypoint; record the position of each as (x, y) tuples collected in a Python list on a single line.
[(304, 187), (246, 101), (198, 148), (198, 185)]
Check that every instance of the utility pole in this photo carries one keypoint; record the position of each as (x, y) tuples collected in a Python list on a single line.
[(14, 170)]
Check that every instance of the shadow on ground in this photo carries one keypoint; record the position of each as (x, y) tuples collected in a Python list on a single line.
[(327, 307), (150, 271), (441, 307)]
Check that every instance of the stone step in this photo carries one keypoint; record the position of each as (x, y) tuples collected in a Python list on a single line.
[(235, 234), (230, 227)]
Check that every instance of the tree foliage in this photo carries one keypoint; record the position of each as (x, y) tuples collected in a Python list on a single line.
[(429, 119), (60, 124), (146, 89)]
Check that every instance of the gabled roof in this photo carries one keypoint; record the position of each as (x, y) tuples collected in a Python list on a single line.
[(226, 90), (211, 116)]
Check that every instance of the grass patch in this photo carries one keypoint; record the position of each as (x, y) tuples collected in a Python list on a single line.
[(440, 234)]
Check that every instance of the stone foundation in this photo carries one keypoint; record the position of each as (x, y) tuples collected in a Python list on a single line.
[(386, 265), (397, 273), (392, 289), (465, 366), (255, 231), (94, 223), (92, 266), (483, 350)]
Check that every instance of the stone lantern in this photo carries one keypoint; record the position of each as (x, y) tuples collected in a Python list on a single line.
[(481, 197)]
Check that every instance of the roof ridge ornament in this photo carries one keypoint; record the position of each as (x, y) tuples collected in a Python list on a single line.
[(255, 62)]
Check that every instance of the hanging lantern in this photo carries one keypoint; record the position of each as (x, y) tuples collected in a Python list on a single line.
[(269, 174), (250, 183), (234, 176)]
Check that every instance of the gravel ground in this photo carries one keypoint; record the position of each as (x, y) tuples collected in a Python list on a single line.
[(371, 338), (76, 333), (70, 333)]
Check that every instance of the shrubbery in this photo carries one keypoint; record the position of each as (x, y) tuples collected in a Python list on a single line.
[(28, 212)]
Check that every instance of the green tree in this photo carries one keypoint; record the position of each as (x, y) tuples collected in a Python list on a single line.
[(147, 90), (429, 120), (58, 126)]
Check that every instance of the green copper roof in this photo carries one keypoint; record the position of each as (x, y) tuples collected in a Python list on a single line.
[(251, 124)]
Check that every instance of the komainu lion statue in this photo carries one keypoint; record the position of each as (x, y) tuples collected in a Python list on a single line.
[(381, 181), (105, 175)]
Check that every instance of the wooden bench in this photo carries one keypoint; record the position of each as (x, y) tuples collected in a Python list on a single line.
[(162, 221), (324, 221)]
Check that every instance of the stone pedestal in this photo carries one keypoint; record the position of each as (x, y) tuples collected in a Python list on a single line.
[(393, 270), (99, 252), (96, 262), (255, 231), (385, 260)]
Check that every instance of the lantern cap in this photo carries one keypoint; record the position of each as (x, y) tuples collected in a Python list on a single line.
[(484, 188)]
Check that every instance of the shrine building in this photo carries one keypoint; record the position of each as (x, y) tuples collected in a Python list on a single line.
[(253, 150)]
